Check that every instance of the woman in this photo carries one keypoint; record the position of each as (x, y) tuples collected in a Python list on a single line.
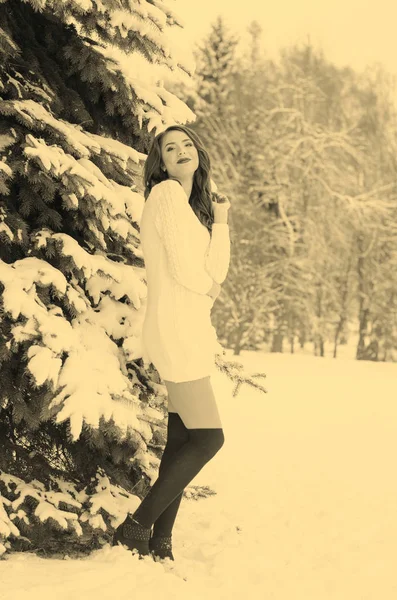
[(186, 246)]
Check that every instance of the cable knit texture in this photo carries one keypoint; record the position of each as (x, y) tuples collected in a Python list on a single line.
[(182, 260)]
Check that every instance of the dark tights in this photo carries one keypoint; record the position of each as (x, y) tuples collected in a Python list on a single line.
[(177, 436), (181, 466)]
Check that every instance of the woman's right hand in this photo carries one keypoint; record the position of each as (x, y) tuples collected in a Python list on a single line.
[(215, 290)]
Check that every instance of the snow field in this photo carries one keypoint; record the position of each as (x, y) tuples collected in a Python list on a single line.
[(305, 506)]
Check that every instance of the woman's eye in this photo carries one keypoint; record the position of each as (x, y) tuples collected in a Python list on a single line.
[(189, 144), (169, 149)]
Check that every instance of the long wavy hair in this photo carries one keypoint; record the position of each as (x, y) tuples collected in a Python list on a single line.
[(201, 196)]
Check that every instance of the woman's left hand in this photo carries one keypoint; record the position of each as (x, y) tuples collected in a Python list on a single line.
[(221, 205)]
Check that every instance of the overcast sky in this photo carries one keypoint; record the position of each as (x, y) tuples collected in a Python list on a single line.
[(351, 32)]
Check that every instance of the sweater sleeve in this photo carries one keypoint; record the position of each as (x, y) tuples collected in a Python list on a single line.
[(173, 220), (218, 254)]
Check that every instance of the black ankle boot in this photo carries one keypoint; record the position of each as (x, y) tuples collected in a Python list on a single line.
[(133, 535), (161, 546)]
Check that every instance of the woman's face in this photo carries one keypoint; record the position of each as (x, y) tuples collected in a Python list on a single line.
[(179, 155)]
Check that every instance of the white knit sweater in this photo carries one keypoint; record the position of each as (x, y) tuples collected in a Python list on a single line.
[(181, 261)]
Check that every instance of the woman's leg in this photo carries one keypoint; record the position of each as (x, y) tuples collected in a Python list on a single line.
[(177, 436), (196, 405)]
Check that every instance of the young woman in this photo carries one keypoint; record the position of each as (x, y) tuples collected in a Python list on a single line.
[(186, 247)]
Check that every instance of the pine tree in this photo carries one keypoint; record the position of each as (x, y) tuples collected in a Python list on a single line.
[(216, 64), (80, 405)]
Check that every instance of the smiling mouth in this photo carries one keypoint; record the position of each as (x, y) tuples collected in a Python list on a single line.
[(183, 160)]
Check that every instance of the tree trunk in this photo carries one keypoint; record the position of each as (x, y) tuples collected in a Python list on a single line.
[(338, 331), (370, 352), (344, 300), (277, 342), (363, 313), (237, 345), (302, 338), (319, 345), (318, 338)]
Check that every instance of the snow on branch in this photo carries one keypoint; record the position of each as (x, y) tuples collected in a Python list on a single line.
[(79, 361), (142, 75), (101, 274), (99, 505), (84, 186), (158, 107), (36, 117)]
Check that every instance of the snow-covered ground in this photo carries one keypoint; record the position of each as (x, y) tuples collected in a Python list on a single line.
[(306, 504)]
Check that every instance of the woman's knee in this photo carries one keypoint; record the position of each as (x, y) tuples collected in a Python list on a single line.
[(215, 442), (220, 439), (209, 441)]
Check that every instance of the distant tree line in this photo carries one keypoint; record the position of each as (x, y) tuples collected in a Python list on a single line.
[(307, 153)]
